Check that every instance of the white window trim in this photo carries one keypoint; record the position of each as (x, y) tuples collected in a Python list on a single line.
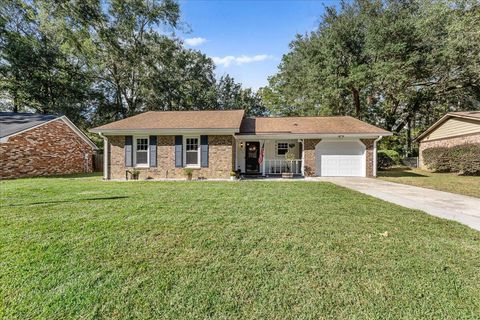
[(142, 165), (197, 165), (276, 148)]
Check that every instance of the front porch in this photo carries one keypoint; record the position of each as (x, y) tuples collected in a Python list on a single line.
[(272, 163)]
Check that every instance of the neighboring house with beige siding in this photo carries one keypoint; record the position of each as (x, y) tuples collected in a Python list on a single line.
[(160, 145), (455, 128)]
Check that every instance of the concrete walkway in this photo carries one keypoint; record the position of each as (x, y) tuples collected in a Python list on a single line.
[(441, 204)]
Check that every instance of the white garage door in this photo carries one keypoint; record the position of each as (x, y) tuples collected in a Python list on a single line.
[(340, 159)]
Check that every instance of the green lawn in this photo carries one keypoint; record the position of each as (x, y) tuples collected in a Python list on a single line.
[(450, 182), (83, 248)]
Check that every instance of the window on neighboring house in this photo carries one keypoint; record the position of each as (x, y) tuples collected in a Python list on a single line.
[(282, 148), (192, 152), (141, 151)]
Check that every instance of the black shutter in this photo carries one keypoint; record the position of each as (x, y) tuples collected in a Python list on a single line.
[(178, 151), (204, 151), (128, 151), (153, 151)]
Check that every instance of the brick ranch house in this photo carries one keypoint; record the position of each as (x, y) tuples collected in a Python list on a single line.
[(161, 144), (454, 128), (40, 145)]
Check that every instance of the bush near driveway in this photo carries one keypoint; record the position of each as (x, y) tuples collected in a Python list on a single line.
[(387, 158), (463, 159)]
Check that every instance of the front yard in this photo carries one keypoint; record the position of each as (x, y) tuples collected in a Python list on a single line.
[(449, 182), (84, 248)]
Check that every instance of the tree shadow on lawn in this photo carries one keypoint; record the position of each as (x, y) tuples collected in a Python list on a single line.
[(65, 201), (400, 172), (70, 176)]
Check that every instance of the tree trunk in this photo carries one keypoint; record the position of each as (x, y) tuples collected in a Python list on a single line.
[(15, 102), (409, 136), (356, 102)]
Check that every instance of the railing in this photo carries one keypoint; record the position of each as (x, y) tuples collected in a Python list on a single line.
[(278, 166)]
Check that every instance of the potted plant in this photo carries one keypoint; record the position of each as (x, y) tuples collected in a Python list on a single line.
[(135, 173), (238, 173), (233, 175), (289, 157), (188, 172)]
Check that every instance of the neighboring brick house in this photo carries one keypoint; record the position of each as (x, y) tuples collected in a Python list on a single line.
[(40, 145), (160, 145), (454, 128)]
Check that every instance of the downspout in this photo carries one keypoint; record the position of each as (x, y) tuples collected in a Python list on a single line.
[(105, 156), (375, 155)]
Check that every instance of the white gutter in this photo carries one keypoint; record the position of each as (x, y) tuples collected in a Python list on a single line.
[(105, 156), (375, 156), (311, 136), (159, 132)]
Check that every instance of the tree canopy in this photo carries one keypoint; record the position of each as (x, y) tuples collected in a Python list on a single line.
[(98, 61), (397, 64)]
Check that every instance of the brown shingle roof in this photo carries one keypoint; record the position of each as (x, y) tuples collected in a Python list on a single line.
[(232, 120), (157, 120), (308, 125)]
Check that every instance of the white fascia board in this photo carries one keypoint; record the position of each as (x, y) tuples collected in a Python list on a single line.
[(78, 132), (123, 132), (432, 127), (313, 136), (437, 124), (5, 139)]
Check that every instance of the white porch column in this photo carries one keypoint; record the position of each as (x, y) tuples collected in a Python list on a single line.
[(302, 169), (236, 154), (264, 158), (105, 158), (375, 156)]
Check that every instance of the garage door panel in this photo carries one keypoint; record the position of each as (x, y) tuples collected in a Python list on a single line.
[(336, 159)]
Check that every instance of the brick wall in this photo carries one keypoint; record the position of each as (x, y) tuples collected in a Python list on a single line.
[(51, 149), (369, 163), (450, 142), (220, 159), (309, 156)]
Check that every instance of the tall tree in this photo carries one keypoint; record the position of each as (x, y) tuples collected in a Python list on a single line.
[(231, 95), (398, 64), (99, 61), (35, 73), (117, 38)]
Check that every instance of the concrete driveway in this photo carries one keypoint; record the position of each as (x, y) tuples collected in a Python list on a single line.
[(441, 204)]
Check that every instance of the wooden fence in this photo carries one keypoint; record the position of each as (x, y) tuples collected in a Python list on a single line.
[(411, 162), (98, 162)]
